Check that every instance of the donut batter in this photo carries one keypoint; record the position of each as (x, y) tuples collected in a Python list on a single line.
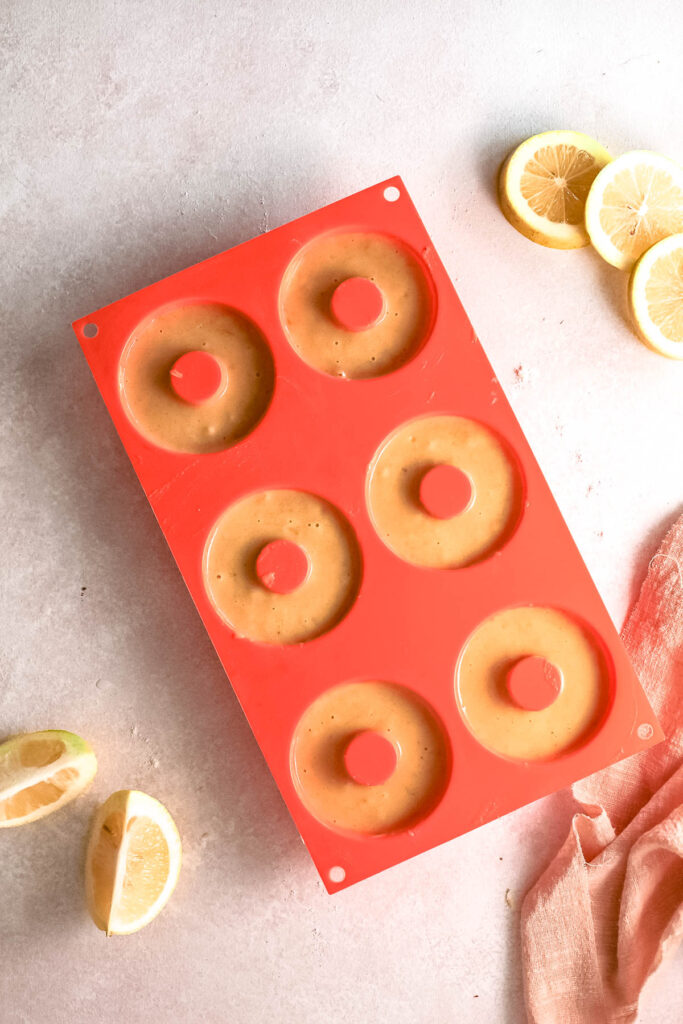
[(225, 418), (489, 711), (392, 492), (317, 758), (307, 290), (245, 603)]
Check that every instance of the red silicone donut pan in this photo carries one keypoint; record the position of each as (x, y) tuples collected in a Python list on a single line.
[(405, 624)]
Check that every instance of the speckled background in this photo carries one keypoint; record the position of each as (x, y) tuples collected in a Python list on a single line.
[(138, 139)]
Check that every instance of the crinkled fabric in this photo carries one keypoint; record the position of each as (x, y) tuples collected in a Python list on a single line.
[(609, 908)]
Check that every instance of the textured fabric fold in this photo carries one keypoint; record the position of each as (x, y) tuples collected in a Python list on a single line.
[(609, 907)]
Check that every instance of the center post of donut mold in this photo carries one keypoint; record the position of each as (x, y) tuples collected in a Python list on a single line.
[(370, 758), (357, 304), (281, 566), (534, 683), (445, 491), (197, 376)]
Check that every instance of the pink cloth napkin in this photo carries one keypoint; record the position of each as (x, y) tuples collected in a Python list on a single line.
[(609, 907)]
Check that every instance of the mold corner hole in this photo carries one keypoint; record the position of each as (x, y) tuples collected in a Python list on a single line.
[(336, 874), (391, 193), (90, 330)]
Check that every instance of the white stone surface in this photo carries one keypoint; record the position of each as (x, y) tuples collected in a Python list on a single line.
[(138, 139)]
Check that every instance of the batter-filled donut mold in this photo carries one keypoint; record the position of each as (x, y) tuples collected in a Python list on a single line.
[(366, 534), (369, 758), (444, 492), (532, 683), (356, 304), (281, 566), (196, 378)]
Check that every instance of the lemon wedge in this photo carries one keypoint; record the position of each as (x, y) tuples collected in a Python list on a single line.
[(132, 862), (634, 202), (655, 296), (40, 772), (543, 184)]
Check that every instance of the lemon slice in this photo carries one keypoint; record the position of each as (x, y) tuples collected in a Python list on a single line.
[(543, 184), (40, 772), (655, 295), (132, 862), (634, 202)]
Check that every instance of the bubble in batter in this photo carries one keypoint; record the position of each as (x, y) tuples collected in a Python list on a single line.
[(424, 533), (485, 672), (161, 347), (319, 764), (246, 601), (356, 342)]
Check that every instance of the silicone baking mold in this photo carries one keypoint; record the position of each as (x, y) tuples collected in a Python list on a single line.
[(366, 534)]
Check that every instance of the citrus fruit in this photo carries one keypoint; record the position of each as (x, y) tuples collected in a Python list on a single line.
[(543, 184), (656, 297), (635, 201), (40, 772), (132, 862)]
